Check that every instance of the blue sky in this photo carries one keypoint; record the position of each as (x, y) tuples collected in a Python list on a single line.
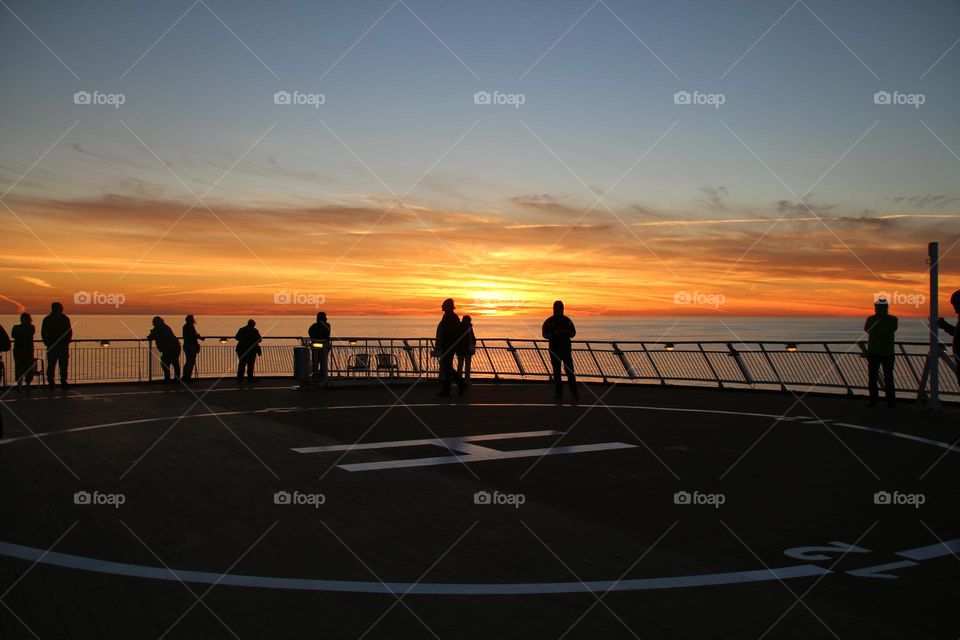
[(598, 80)]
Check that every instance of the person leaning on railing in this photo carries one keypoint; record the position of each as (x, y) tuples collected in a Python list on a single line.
[(881, 328), (168, 346), (248, 348), (952, 330)]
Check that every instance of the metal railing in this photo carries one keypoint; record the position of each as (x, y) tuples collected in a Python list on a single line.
[(823, 366)]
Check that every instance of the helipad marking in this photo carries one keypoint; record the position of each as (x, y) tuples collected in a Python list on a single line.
[(97, 565), (471, 452), (47, 434)]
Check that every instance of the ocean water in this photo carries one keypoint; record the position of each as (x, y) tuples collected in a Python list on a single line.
[(678, 329)]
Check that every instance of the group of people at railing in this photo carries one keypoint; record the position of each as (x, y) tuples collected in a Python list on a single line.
[(455, 341)]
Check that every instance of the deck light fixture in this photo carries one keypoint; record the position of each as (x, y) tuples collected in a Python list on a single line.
[(668, 346), (104, 343), (791, 346), (223, 341)]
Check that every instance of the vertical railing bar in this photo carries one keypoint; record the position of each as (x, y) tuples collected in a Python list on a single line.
[(773, 367)]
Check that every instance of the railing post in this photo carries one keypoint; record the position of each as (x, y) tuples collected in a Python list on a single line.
[(149, 360), (913, 370), (653, 364), (486, 352), (836, 365), (623, 361), (409, 350), (603, 374), (710, 365), (516, 358), (740, 364)]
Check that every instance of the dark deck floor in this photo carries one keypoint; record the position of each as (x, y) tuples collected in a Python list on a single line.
[(598, 547)]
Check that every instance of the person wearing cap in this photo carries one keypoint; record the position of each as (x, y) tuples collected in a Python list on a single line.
[(952, 330), (449, 335), (881, 328)]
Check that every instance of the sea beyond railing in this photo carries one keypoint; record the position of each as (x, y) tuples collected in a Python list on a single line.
[(838, 367)]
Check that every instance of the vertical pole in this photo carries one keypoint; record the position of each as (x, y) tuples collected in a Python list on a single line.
[(933, 251)]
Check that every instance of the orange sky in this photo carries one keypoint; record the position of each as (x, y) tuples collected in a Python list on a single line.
[(370, 260)]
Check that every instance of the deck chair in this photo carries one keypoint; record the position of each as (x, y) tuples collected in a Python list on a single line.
[(389, 363), (359, 363)]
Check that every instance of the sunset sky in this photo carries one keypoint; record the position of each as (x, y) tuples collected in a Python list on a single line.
[(797, 195)]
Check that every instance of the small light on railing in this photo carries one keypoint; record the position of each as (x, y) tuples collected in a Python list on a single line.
[(353, 341), (104, 343), (668, 346), (318, 344), (223, 340), (791, 346)]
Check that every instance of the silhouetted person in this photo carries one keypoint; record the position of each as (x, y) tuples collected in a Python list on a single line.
[(4, 343), (248, 348), (191, 347), (558, 329), (319, 332), (57, 333), (952, 330), (449, 335), (466, 347), (881, 328), (169, 347), (24, 358)]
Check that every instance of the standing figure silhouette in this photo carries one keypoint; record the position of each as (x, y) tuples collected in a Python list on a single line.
[(57, 333), (248, 348), (24, 358), (953, 331), (466, 347), (191, 347), (559, 331), (881, 328), (319, 332), (449, 335)]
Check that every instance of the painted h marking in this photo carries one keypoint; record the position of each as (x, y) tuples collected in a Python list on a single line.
[(463, 445)]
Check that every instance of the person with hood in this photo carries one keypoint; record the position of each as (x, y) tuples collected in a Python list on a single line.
[(559, 331), (57, 333), (169, 347), (466, 348), (881, 328), (248, 348), (319, 332), (24, 358), (191, 346), (449, 335)]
